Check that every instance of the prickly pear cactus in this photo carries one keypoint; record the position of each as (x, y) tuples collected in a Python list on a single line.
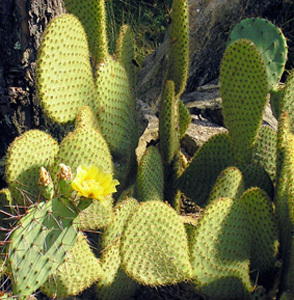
[(92, 15), (243, 88), (64, 75), (86, 117), (40, 242), (269, 40), (229, 184), (79, 271), (213, 157), (114, 283), (178, 52), (264, 229), (154, 246), (25, 156), (220, 251), (150, 181)]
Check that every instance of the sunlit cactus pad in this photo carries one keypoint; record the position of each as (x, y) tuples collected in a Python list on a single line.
[(229, 184), (117, 114), (40, 242), (26, 154), (243, 88), (154, 246), (86, 117), (91, 13), (220, 251), (114, 283), (150, 181), (269, 40), (265, 153), (264, 230), (79, 271), (64, 75), (178, 54)]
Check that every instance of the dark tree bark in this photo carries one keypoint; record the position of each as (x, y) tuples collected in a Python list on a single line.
[(22, 23)]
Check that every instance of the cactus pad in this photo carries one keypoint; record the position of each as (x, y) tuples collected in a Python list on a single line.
[(229, 184), (264, 230), (39, 244), (220, 251), (150, 176), (243, 88), (79, 271), (91, 13), (178, 54), (154, 246), (269, 40), (25, 156), (117, 115), (64, 75), (114, 283), (213, 157), (86, 117)]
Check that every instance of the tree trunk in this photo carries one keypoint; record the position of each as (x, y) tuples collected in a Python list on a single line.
[(22, 23)]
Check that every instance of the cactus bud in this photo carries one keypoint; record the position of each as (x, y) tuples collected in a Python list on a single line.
[(45, 184), (65, 178)]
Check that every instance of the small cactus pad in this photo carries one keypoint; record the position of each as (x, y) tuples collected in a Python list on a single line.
[(255, 175), (150, 176), (116, 117), (114, 284), (91, 13), (86, 117), (125, 53), (178, 54), (264, 230), (269, 40), (154, 246), (64, 76), (220, 250), (25, 156), (79, 271), (286, 101), (40, 242), (243, 89), (213, 157), (265, 152), (184, 118), (229, 184)]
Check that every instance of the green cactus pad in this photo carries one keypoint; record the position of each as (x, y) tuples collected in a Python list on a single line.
[(114, 284), (229, 184), (125, 52), (39, 244), (25, 156), (178, 53), (255, 175), (220, 251), (286, 101), (117, 118), (91, 13), (64, 76), (243, 89), (150, 180), (184, 118), (213, 157), (275, 100), (86, 146), (265, 152), (264, 230), (154, 246), (79, 271), (86, 117), (169, 138), (269, 40)]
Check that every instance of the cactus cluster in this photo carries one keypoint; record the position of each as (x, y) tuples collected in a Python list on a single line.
[(239, 184)]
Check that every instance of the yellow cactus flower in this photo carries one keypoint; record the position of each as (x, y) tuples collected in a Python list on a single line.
[(92, 182)]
